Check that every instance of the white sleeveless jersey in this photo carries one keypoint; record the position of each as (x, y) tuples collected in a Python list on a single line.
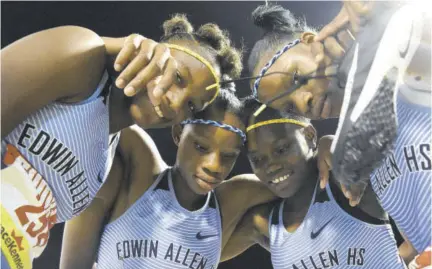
[(157, 232), (403, 183), (329, 237), (63, 153)]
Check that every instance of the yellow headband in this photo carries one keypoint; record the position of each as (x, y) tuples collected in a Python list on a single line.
[(267, 122), (206, 63)]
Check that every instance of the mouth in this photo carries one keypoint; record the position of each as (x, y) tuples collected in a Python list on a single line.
[(207, 183), (159, 112), (164, 110), (280, 179)]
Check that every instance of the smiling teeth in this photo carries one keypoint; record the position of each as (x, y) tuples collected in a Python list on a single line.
[(280, 179)]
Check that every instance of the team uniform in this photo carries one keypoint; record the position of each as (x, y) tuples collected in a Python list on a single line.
[(157, 232), (330, 237), (403, 183), (53, 164)]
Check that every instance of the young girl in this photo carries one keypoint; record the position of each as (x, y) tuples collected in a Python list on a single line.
[(308, 227), (62, 116)]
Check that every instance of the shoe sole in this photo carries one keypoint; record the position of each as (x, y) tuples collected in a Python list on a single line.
[(368, 123)]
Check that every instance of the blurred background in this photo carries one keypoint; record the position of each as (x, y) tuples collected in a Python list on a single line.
[(117, 19)]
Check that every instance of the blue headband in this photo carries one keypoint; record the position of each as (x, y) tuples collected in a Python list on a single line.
[(270, 63), (217, 124)]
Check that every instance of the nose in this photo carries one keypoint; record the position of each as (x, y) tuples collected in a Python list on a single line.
[(273, 168), (303, 102), (177, 98), (212, 165)]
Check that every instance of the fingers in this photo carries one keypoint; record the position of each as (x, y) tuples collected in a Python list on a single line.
[(346, 192), (149, 64), (144, 56), (363, 8), (353, 192), (168, 78), (137, 64), (345, 39), (324, 173), (317, 49), (356, 192), (334, 49), (324, 160), (128, 51), (354, 18), (334, 26)]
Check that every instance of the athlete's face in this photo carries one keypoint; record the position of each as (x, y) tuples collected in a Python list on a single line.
[(187, 93), (314, 100), (278, 154), (206, 154)]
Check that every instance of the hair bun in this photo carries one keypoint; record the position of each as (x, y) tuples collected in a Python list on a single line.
[(231, 62), (177, 24), (214, 36), (274, 18)]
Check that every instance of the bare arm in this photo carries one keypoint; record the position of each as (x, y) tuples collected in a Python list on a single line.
[(407, 250), (252, 229), (63, 63), (82, 233), (236, 196)]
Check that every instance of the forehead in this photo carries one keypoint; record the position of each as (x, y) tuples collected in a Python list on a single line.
[(199, 75), (218, 135), (269, 84), (191, 61), (264, 136)]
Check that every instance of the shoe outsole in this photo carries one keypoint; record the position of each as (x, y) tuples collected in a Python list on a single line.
[(366, 134)]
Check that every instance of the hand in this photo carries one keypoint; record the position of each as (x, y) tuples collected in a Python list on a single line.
[(353, 15), (140, 61), (324, 159), (337, 36), (353, 192)]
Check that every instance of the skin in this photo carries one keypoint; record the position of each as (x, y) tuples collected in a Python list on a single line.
[(320, 51), (205, 157), (313, 99), (283, 149), (65, 65), (78, 57)]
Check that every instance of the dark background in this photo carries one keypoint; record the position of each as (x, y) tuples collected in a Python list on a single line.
[(117, 19)]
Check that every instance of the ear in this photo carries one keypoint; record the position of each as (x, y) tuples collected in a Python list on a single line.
[(311, 135), (176, 131), (307, 37)]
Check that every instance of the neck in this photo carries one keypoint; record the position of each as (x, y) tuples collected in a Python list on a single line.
[(185, 196), (301, 200), (119, 105)]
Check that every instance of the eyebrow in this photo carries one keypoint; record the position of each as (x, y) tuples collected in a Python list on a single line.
[(188, 74)]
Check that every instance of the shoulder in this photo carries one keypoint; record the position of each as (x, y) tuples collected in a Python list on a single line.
[(138, 148)]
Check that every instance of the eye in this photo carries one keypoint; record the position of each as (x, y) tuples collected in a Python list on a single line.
[(255, 160), (296, 79), (179, 78), (283, 149), (289, 108), (191, 106), (200, 148)]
